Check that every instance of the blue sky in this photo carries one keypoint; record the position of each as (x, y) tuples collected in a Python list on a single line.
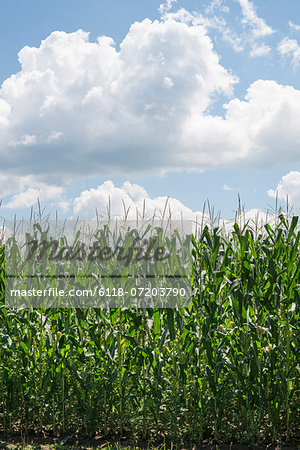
[(201, 101)]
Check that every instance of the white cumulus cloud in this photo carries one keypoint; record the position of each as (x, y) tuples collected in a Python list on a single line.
[(79, 108), (130, 199), (288, 187), (209, 22), (29, 197), (259, 130), (26, 190)]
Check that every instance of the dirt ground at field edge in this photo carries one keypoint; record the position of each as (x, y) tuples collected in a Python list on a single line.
[(44, 443)]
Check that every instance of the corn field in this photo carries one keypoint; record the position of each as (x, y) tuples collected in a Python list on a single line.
[(224, 369)]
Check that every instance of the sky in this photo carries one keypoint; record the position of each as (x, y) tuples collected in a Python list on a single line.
[(129, 105)]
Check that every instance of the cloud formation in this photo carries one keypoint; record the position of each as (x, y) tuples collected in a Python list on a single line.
[(27, 191), (217, 5), (79, 108), (166, 6), (257, 29), (294, 26), (31, 195), (259, 50), (258, 25), (210, 22), (290, 48), (257, 131), (130, 200), (288, 187)]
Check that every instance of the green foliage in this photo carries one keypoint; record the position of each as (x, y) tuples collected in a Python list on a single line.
[(225, 368)]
